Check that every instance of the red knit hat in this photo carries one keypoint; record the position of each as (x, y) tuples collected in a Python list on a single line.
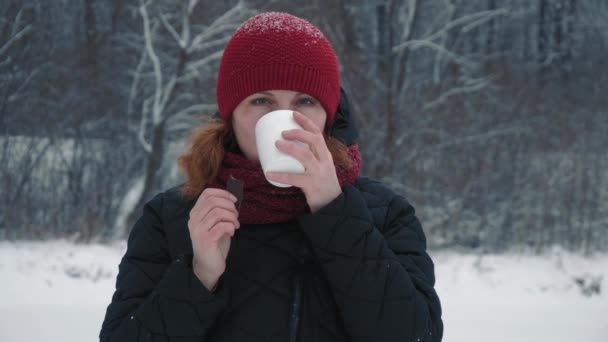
[(278, 51)]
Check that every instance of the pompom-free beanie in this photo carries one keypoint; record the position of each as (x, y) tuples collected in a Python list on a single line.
[(273, 51)]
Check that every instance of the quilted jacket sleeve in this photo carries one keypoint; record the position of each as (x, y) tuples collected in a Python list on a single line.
[(157, 298), (381, 275)]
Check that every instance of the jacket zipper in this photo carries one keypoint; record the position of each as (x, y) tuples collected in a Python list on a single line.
[(297, 296), (295, 310)]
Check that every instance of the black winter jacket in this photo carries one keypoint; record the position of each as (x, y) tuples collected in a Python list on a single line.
[(356, 270)]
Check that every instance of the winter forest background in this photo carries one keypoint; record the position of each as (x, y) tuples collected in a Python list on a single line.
[(489, 115)]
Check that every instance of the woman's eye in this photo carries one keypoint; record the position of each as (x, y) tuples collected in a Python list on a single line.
[(307, 101), (260, 101)]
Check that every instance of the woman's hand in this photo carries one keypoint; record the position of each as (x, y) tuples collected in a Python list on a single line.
[(319, 182), (213, 221)]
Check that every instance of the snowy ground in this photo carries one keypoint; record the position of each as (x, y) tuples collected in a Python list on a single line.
[(58, 291)]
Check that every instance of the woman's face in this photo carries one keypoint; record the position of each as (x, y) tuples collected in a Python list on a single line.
[(252, 108)]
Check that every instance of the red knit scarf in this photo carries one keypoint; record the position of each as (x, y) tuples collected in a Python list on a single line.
[(265, 203)]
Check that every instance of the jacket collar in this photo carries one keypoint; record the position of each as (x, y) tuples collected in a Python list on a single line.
[(344, 127)]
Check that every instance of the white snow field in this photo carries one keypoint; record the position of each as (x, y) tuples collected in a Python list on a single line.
[(58, 291)]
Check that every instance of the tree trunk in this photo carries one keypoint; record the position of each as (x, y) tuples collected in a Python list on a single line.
[(491, 37), (543, 35), (151, 178), (90, 26)]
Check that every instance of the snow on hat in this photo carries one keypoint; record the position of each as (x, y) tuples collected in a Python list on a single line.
[(272, 51)]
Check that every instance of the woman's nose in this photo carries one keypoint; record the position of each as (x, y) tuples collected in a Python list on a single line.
[(284, 105)]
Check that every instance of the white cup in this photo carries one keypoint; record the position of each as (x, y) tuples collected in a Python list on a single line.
[(268, 130)]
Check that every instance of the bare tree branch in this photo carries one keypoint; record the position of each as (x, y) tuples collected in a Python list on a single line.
[(148, 35), (180, 41), (473, 20), (14, 38), (469, 87), (192, 67), (135, 82), (17, 93), (142, 128)]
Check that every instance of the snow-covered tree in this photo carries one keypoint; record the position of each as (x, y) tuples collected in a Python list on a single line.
[(177, 56)]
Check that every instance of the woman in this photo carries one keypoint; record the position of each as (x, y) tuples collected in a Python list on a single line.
[(335, 257)]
